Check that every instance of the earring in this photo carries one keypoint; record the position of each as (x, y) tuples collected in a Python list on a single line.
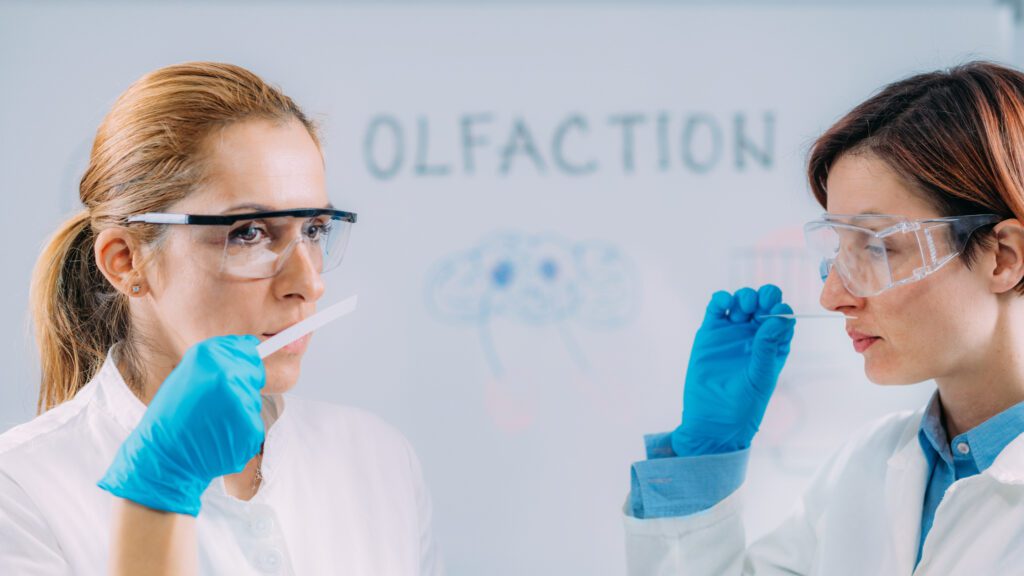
[(135, 289)]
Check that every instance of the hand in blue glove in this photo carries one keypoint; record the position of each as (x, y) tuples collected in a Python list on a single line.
[(734, 365), (202, 423)]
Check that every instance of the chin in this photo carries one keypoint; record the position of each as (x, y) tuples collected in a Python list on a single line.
[(281, 376), (890, 375)]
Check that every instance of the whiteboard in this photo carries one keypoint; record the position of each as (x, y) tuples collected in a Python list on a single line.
[(546, 199)]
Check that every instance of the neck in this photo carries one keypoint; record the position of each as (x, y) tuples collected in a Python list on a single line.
[(145, 370), (990, 385)]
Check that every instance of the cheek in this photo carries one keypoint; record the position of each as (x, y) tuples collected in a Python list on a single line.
[(927, 329), (196, 305)]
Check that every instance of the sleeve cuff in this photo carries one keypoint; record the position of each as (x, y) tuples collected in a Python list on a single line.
[(658, 445), (670, 485)]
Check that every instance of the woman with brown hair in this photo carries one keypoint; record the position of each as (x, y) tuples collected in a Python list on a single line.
[(164, 443), (922, 250)]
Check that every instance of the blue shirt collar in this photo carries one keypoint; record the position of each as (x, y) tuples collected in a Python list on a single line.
[(986, 440)]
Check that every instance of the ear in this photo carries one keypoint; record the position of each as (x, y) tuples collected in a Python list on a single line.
[(1009, 254), (117, 257)]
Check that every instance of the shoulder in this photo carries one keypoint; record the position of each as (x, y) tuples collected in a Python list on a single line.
[(53, 430)]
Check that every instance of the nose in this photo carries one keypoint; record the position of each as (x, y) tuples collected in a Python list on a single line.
[(835, 296), (300, 276)]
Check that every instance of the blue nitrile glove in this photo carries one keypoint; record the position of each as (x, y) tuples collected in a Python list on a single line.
[(734, 365), (202, 423)]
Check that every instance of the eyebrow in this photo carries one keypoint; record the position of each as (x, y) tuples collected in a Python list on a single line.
[(254, 207)]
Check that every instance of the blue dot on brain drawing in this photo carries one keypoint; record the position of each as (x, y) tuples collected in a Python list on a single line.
[(544, 282)]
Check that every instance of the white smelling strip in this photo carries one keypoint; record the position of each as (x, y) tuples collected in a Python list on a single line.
[(806, 316), (300, 329)]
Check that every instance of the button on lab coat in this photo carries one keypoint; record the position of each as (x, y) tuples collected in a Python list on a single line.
[(861, 515), (342, 493)]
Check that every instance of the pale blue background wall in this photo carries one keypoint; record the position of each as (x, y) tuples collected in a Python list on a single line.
[(669, 144)]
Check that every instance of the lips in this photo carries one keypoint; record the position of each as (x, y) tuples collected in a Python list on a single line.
[(267, 335), (295, 347), (862, 341)]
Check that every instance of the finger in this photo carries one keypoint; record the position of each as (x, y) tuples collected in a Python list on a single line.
[(768, 296), (246, 347), (771, 345), (246, 343), (776, 330), (744, 303), (718, 307)]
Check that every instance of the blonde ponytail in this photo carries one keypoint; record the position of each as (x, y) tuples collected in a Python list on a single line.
[(82, 315)]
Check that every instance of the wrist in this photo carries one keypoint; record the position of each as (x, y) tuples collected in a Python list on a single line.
[(154, 488), (144, 474), (688, 442)]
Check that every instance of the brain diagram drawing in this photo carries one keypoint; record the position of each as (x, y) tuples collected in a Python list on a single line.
[(545, 283)]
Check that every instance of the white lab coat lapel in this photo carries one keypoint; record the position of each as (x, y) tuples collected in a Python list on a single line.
[(906, 478)]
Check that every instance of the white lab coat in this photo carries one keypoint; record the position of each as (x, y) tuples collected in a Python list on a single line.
[(342, 493), (860, 516)]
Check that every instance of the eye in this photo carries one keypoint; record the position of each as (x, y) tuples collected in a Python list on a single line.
[(248, 233), (317, 230), (876, 251)]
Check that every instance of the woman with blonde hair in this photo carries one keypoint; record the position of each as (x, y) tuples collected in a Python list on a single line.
[(164, 444)]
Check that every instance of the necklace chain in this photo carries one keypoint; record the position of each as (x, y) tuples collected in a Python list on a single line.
[(258, 478)]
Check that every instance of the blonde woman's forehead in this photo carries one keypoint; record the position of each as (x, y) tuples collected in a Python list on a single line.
[(261, 162), (215, 199), (261, 148)]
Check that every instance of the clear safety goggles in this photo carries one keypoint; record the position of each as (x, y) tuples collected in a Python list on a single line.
[(257, 244), (875, 252)]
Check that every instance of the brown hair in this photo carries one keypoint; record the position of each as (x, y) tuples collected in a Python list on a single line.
[(147, 155), (956, 136)]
